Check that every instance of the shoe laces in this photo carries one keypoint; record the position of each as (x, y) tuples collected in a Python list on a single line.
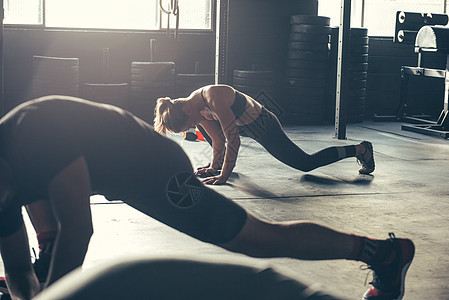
[(370, 271)]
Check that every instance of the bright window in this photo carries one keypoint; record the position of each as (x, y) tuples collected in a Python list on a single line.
[(379, 16), (107, 14), (26, 12)]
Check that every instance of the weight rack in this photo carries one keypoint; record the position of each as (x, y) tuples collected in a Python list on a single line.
[(430, 39)]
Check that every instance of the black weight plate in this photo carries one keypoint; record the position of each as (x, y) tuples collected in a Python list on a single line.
[(147, 64), (306, 65), (357, 102), (358, 67), (308, 46), (288, 98), (108, 88), (254, 81), (298, 73), (358, 93), (152, 86), (293, 101), (308, 55), (310, 19), (359, 49), (38, 91), (253, 90), (360, 41), (357, 84), (153, 78), (304, 91), (152, 71), (358, 75), (358, 58), (195, 76), (304, 82), (55, 81), (254, 74), (311, 29), (306, 37)]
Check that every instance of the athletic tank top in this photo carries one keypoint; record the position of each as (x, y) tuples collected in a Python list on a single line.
[(238, 107)]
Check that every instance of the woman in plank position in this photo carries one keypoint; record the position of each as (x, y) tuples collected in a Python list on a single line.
[(222, 114)]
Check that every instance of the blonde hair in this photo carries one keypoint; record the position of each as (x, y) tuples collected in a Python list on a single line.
[(169, 116)]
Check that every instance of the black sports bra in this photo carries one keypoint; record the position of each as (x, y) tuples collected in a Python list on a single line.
[(239, 105)]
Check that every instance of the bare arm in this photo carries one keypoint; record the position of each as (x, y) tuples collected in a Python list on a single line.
[(20, 277), (70, 196), (219, 98), (213, 129)]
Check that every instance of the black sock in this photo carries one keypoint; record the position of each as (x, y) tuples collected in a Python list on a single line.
[(345, 151), (371, 251)]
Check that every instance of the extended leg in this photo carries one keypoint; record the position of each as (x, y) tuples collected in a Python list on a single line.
[(273, 138)]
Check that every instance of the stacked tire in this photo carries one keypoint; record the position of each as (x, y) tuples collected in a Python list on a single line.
[(306, 69), (260, 85), (187, 83), (357, 74), (150, 81), (109, 93), (55, 76)]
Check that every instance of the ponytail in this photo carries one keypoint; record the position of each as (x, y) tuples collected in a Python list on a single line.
[(169, 116)]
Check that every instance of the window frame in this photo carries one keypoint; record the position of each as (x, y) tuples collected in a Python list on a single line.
[(161, 28)]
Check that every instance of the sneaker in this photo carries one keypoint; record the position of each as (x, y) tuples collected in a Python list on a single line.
[(41, 266), (389, 280), (366, 160)]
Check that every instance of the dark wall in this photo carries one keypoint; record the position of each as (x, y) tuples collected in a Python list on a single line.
[(258, 35), (124, 48)]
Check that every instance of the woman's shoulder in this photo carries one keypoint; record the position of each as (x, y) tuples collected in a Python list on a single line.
[(218, 92)]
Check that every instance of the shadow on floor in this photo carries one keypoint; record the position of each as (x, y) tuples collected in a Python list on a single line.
[(243, 184), (326, 180)]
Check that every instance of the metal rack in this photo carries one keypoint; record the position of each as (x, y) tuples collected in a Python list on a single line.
[(430, 39)]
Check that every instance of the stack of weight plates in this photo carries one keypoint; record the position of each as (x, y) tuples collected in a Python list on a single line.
[(109, 93), (150, 81), (357, 74), (55, 76), (260, 85), (307, 69), (187, 83)]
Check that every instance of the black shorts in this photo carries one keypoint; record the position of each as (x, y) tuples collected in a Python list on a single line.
[(174, 196)]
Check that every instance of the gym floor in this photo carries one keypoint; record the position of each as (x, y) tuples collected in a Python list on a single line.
[(408, 194)]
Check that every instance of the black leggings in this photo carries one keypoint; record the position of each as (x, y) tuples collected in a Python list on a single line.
[(268, 132)]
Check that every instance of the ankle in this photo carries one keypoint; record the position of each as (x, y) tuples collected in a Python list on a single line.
[(360, 149), (372, 251)]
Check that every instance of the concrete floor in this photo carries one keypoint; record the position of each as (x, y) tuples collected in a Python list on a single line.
[(408, 194)]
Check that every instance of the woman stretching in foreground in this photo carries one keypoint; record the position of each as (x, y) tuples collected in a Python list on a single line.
[(223, 114)]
